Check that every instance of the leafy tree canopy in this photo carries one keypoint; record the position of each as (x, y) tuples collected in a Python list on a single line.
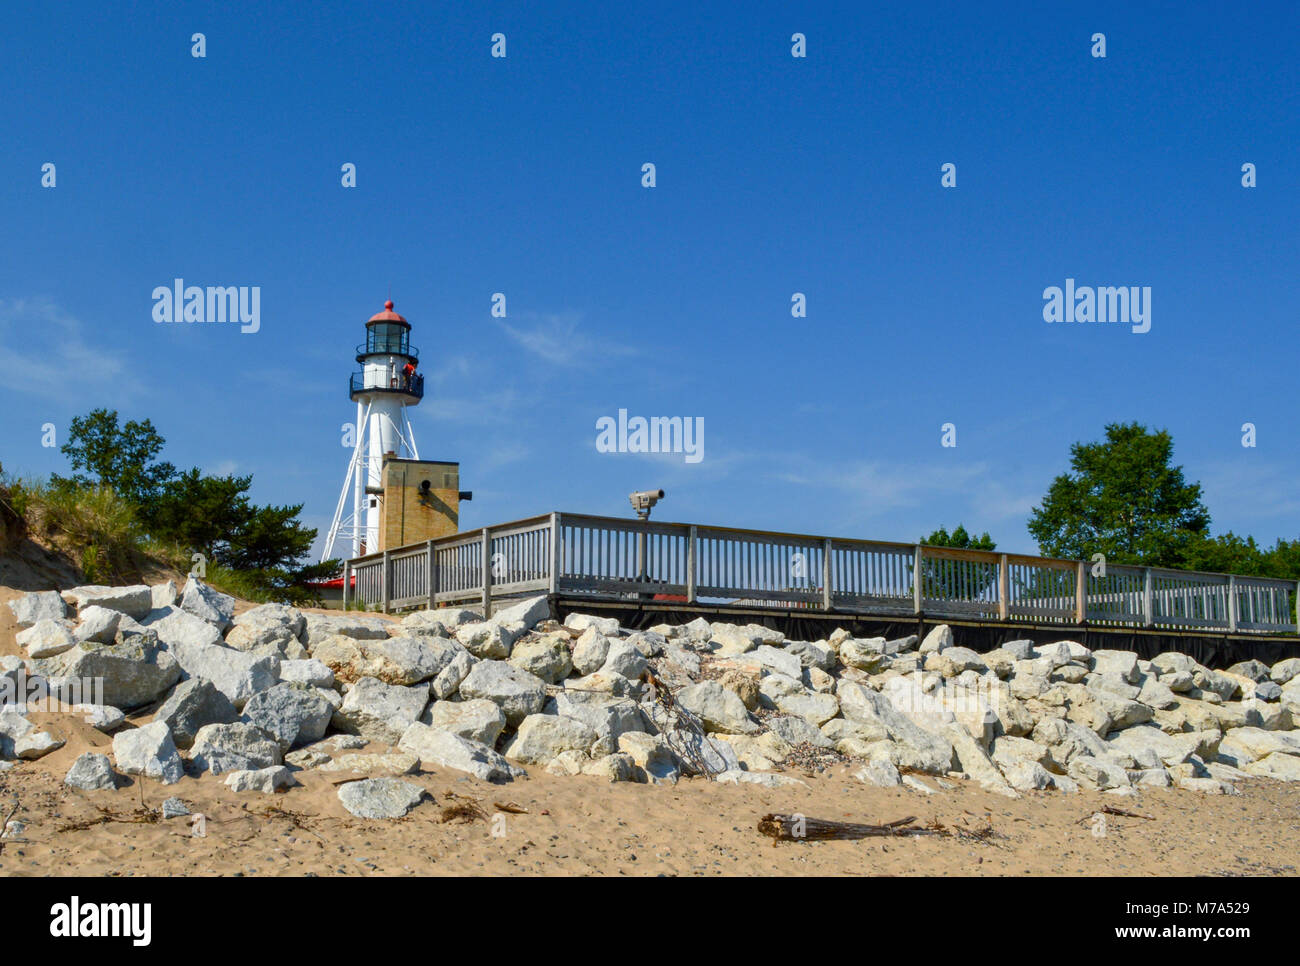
[(121, 458), (1124, 499), (960, 539), (212, 515)]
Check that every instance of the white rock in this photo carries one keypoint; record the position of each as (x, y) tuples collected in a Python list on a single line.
[(91, 772), (865, 654), (590, 650), (1027, 776), (13, 728), (435, 747), (36, 745), (917, 748), (163, 595), (380, 797), (1020, 650), (192, 705), (738, 777), (478, 720), (150, 752), (448, 618), (730, 640), (1283, 672), (608, 716), (236, 674), (614, 768), (309, 671), (177, 628), (1284, 767), (38, 606), (379, 711), (1098, 773), (98, 624), (652, 755), (547, 656), (320, 626), (395, 660), (880, 773), (541, 737), (487, 641), (449, 678), (46, 638), (293, 714), (1122, 663), (529, 613), (952, 661), (816, 708), (1208, 786), (206, 603), (607, 626), (795, 730), (135, 601), (813, 654), (391, 765), (268, 781), (134, 673), (516, 692), (969, 757), (1167, 749), (623, 659), (101, 717), (239, 746), (938, 640), (717, 708)]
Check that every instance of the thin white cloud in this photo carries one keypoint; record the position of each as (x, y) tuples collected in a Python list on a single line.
[(557, 338), (44, 352), (869, 492), (1254, 489)]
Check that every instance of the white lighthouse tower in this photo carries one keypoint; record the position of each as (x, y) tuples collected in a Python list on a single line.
[(385, 388)]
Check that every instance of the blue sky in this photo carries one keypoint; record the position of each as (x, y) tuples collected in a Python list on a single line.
[(775, 175)]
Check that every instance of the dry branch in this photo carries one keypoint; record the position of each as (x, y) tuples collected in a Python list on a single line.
[(790, 828)]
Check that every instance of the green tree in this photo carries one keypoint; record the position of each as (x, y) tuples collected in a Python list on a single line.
[(1124, 499), (201, 512), (1226, 554), (952, 579), (259, 549), (121, 458), (960, 539)]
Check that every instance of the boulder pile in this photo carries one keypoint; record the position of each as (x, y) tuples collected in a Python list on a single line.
[(273, 692)]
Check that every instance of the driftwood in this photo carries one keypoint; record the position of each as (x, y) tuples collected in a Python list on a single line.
[(1112, 810), (790, 828)]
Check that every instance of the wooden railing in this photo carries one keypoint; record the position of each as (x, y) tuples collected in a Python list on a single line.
[(618, 559)]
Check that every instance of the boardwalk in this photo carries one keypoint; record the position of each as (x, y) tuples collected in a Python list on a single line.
[(613, 559)]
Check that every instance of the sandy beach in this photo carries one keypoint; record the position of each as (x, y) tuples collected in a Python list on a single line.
[(582, 825)]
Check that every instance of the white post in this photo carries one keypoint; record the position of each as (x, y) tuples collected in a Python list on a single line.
[(358, 473), (1004, 588), (556, 556), (486, 553), (690, 565), (1081, 592), (826, 574), (433, 574), (917, 595)]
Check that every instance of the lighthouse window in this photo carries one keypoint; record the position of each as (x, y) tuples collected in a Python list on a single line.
[(387, 337)]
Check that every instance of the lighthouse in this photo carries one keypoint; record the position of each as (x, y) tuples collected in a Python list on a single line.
[(396, 497)]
